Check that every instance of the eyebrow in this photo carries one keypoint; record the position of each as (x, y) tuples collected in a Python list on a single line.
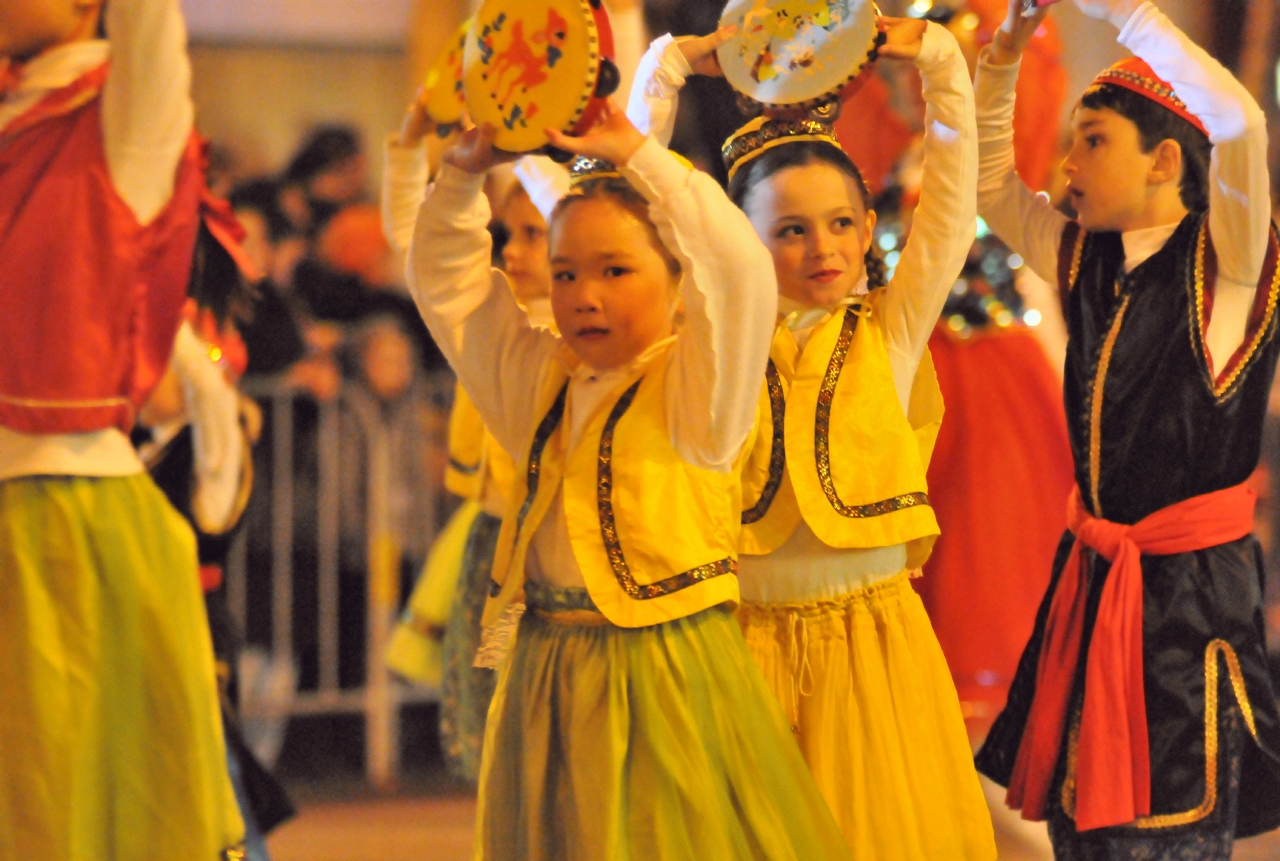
[(1088, 124), (607, 255)]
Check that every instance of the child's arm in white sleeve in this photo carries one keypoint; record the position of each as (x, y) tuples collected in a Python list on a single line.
[(730, 302), (147, 114), (942, 230), (468, 306)]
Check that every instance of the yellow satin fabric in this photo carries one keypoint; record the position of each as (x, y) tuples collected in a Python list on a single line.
[(111, 745), (867, 690)]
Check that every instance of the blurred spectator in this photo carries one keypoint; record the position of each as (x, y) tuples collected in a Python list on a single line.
[(328, 172)]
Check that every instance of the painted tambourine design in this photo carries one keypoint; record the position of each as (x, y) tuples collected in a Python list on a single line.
[(442, 92), (798, 54), (530, 65)]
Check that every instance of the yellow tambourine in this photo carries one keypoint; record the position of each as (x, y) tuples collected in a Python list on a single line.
[(442, 92), (797, 55), (530, 65)]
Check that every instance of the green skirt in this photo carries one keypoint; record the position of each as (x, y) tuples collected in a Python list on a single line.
[(111, 743), (659, 743)]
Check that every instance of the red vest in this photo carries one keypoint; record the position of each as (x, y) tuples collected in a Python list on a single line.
[(90, 300)]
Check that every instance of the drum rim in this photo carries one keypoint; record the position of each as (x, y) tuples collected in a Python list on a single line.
[(596, 20), (464, 31), (836, 93)]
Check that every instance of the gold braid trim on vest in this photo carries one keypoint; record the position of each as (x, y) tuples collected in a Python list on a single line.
[(609, 528), (545, 429), (822, 431), (777, 451)]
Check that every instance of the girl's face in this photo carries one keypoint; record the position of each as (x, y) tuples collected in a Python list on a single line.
[(812, 219), (524, 257), (612, 292)]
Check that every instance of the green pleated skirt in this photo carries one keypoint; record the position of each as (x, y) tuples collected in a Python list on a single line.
[(650, 744), (111, 743)]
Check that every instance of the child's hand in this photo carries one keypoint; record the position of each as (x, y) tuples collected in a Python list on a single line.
[(613, 138), (416, 124), (1118, 12), (1015, 33), (474, 151), (904, 37), (700, 51)]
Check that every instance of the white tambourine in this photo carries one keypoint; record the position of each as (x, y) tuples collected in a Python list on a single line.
[(798, 54)]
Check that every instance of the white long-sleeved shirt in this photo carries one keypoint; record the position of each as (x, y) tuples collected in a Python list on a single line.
[(404, 185), (1239, 187), (147, 117), (719, 355), (804, 568)]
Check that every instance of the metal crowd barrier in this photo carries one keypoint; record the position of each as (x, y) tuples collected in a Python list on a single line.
[(382, 694)]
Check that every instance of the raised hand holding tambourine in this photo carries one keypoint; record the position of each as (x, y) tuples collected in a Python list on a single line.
[(530, 65)]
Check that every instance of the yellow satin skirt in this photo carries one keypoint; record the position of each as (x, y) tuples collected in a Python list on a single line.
[(869, 696), (415, 650), (111, 743), (645, 744)]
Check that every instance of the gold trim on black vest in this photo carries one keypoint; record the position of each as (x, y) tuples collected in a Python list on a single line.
[(609, 528), (822, 435), (778, 453), (545, 429)]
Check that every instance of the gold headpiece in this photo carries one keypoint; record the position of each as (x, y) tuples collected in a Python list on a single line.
[(584, 169), (764, 133)]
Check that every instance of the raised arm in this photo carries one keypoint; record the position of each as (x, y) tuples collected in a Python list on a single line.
[(730, 303), (655, 91), (1239, 184), (147, 115), (404, 186), (469, 308), (1024, 220), (942, 228)]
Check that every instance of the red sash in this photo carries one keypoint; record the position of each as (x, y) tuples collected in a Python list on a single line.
[(1113, 770)]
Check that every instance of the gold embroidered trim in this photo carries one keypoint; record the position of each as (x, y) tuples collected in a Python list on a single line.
[(822, 436), (1077, 254), (88, 403), (609, 527), (1169, 820), (1206, 806), (1236, 365), (778, 452), (1095, 406), (545, 429)]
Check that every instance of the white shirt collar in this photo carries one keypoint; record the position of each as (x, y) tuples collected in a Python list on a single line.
[(1141, 245), (49, 71)]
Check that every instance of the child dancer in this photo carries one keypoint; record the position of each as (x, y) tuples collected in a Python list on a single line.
[(629, 720), (110, 742), (437, 640), (1142, 721), (835, 504)]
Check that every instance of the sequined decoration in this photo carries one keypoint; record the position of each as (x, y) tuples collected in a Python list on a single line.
[(822, 436), (739, 147), (1095, 405), (609, 527), (545, 429), (778, 449)]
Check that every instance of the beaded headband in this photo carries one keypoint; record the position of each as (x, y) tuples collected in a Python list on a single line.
[(1136, 76), (764, 133), (586, 169)]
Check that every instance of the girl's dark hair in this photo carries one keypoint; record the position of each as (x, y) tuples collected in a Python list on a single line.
[(799, 154), (216, 282), (620, 192), (1155, 124)]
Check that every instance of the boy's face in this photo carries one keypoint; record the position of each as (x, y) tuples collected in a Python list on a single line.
[(28, 27), (612, 293), (1108, 174)]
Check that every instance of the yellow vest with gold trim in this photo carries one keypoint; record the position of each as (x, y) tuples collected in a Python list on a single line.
[(834, 448), (475, 458), (655, 537)]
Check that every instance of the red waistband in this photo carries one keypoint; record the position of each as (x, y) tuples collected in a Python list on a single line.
[(1113, 759)]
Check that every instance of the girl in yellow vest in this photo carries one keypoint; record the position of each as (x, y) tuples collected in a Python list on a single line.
[(436, 640), (835, 507), (629, 721)]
